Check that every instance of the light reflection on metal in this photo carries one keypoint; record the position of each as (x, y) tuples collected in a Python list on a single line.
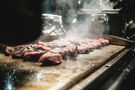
[(53, 24), (79, 2), (74, 21), (38, 76), (9, 82)]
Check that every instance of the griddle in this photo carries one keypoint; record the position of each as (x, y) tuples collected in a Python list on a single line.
[(115, 40), (33, 76)]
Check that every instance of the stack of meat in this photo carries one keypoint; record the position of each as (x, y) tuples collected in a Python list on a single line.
[(55, 51)]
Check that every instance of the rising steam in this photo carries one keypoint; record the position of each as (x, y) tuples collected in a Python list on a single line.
[(93, 24), (98, 4)]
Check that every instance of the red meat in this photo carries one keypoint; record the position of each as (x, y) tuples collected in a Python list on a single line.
[(33, 56), (51, 58), (18, 51)]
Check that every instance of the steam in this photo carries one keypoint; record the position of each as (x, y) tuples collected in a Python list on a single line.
[(92, 25), (98, 4)]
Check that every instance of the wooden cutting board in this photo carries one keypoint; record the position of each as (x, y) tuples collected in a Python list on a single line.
[(20, 75)]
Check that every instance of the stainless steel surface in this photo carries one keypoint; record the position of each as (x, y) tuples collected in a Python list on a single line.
[(91, 77), (32, 76), (118, 82), (115, 40)]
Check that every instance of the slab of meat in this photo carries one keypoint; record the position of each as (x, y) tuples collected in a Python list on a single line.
[(37, 47), (66, 51), (83, 49), (33, 56), (71, 50), (51, 58), (53, 52), (18, 51), (59, 51), (9, 50), (96, 44), (91, 43), (55, 44), (61, 47), (103, 41)]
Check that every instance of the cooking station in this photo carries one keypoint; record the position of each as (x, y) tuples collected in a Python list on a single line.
[(71, 74), (101, 67), (100, 61)]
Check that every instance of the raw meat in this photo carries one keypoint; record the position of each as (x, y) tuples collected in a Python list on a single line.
[(103, 41), (71, 50), (51, 58), (55, 51), (83, 49), (55, 44), (33, 56), (18, 51), (41, 47), (59, 51)]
